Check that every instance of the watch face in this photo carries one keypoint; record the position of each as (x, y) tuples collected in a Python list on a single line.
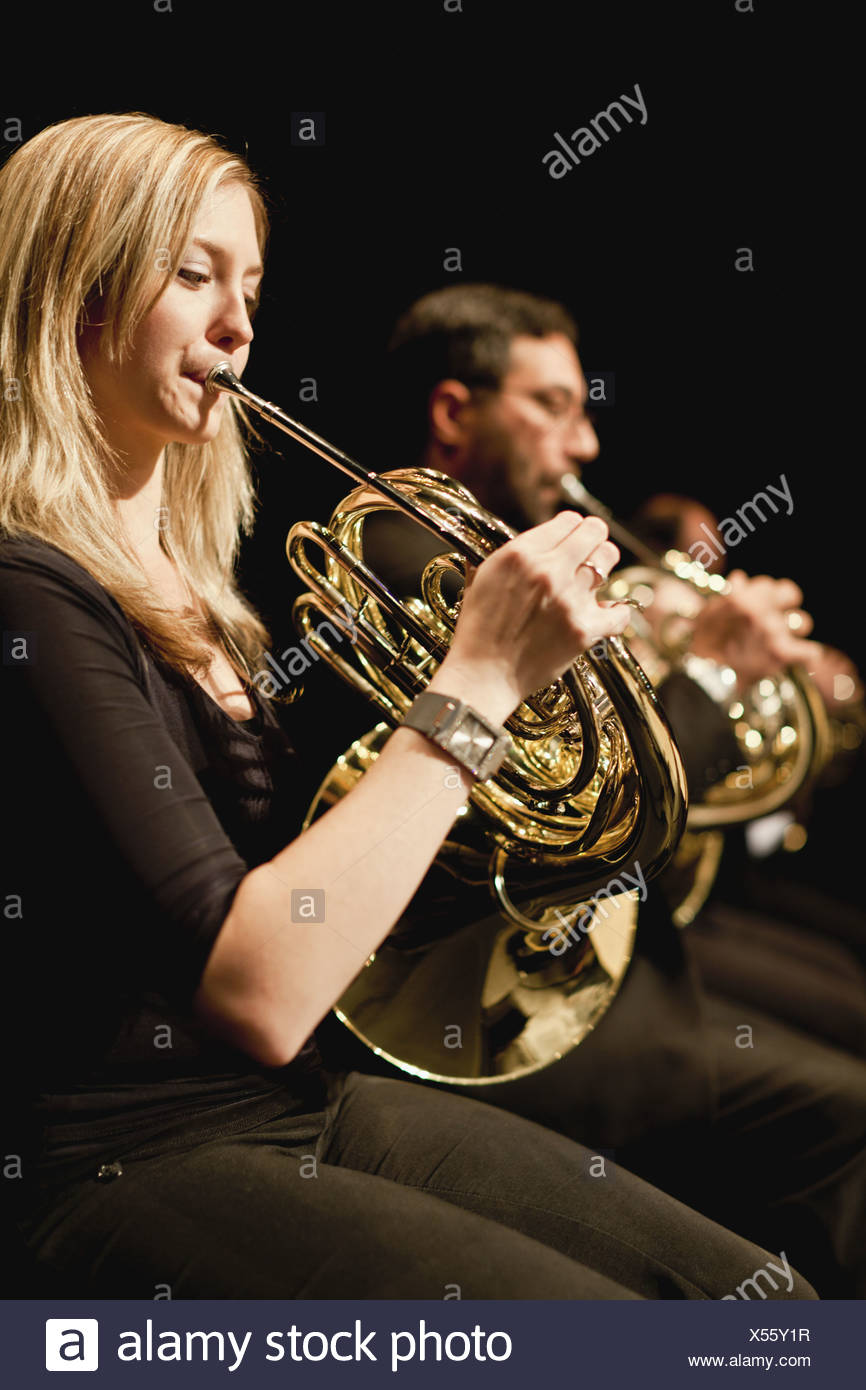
[(471, 740)]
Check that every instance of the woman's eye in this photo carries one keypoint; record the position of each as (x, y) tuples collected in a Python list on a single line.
[(201, 277), (194, 277)]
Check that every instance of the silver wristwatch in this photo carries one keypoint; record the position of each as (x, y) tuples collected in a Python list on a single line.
[(471, 739)]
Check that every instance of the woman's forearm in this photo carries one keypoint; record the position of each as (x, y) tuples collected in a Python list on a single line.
[(274, 972), (302, 925)]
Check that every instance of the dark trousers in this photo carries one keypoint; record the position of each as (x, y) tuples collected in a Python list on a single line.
[(796, 974), (393, 1191), (782, 1160)]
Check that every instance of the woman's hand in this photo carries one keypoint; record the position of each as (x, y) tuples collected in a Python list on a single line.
[(529, 610)]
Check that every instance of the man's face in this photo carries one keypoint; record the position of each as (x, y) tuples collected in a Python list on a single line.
[(526, 436)]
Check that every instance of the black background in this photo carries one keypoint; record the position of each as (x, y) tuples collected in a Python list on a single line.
[(435, 125)]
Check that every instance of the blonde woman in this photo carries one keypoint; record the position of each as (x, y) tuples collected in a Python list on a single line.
[(170, 1120)]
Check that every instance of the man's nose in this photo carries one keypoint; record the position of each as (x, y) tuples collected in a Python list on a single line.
[(579, 445), (581, 442)]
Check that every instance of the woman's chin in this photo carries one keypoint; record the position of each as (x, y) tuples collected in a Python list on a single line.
[(202, 432)]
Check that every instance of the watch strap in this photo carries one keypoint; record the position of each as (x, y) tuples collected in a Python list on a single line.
[(466, 735)]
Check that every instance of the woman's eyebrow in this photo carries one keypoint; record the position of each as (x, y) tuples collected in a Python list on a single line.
[(215, 250)]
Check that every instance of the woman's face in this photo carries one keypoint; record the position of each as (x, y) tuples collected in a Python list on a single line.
[(157, 394)]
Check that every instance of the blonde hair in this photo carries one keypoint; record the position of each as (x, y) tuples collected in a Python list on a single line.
[(89, 208)]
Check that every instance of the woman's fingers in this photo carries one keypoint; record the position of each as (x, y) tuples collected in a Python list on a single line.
[(615, 617), (568, 554), (567, 538), (548, 534), (583, 557), (535, 606)]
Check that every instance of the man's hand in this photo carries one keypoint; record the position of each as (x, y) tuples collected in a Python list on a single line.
[(837, 678), (757, 629)]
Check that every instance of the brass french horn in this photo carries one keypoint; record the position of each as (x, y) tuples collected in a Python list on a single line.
[(780, 725), (501, 979)]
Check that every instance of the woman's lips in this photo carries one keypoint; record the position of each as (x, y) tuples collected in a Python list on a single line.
[(200, 378)]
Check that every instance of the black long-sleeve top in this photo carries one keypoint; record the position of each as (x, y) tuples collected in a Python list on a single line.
[(134, 807)]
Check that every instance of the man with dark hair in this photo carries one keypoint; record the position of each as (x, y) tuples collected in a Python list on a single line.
[(464, 333), (450, 353), (495, 377), (665, 1080)]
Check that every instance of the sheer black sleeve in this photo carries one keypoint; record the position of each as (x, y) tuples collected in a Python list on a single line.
[(97, 790)]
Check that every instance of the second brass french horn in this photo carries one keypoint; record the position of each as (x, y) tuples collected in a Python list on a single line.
[(512, 971), (780, 725)]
